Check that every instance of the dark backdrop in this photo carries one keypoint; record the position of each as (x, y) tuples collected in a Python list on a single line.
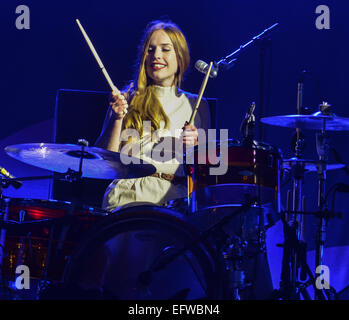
[(53, 55)]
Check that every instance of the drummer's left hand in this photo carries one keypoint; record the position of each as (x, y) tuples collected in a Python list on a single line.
[(190, 135)]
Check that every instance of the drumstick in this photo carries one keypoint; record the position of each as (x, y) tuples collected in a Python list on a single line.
[(201, 92), (99, 61)]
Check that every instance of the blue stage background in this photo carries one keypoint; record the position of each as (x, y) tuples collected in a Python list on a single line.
[(53, 55)]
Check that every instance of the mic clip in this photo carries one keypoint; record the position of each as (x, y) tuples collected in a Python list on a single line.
[(8, 179)]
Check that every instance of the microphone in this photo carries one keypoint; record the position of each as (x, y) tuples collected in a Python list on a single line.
[(16, 184), (202, 66)]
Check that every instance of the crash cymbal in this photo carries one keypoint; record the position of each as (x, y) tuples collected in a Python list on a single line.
[(308, 165), (97, 163), (315, 121)]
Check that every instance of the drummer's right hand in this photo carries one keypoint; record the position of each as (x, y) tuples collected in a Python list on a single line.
[(119, 105)]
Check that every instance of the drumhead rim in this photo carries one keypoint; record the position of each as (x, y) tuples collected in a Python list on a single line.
[(113, 225)]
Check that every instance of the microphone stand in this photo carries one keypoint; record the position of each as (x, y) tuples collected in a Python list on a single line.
[(227, 62)]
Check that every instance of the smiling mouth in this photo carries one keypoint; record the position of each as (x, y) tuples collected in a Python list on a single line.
[(157, 66)]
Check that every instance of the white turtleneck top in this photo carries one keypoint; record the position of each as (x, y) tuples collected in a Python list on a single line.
[(152, 189)]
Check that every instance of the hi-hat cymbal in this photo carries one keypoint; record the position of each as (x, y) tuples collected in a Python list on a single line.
[(97, 163), (315, 121), (308, 165)]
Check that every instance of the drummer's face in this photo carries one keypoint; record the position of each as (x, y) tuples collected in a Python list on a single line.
[(161, 61)]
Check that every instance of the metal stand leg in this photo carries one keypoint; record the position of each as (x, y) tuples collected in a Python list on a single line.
[(322, 145)]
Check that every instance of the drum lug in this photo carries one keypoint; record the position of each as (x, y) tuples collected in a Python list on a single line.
[(21, 215)]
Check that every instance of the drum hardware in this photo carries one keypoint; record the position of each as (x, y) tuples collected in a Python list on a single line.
[(247, 126), (296, 275), (231, 248), (69, 176), (44, 280), (6, 182), (10, 179), (247, 129), (294, 249), (294, 267), (234, 255), (322, 147), (77, 196), (248, 162)]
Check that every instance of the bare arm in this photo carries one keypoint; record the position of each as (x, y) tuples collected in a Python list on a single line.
[(110, 136)]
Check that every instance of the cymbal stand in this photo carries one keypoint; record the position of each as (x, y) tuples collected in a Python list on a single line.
[(74, 177), (294, 253), (2, 234), (323, 147), (77, 196), (294, 245)]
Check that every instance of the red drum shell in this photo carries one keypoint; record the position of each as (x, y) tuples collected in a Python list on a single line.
[(30, 245), (251, 171)]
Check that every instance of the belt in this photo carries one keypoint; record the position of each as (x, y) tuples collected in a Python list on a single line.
[(171, 177)]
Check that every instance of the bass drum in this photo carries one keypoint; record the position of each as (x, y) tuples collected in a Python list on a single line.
[(146, 253)]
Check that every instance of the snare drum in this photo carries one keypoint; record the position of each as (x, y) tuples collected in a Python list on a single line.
[(41, 234), (252, 171)]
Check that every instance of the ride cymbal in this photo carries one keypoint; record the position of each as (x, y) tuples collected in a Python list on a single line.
[(315, 121)]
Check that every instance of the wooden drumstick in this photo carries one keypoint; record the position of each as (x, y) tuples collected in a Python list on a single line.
[(201, 92), (99, 61)]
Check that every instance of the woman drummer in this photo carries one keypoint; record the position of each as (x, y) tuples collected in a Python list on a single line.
[(154, 98)]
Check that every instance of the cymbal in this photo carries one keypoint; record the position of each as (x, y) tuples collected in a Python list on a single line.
[(98, 163), (315, 121), (308, 165)]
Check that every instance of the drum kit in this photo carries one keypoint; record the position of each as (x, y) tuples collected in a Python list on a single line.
[(155, 252)]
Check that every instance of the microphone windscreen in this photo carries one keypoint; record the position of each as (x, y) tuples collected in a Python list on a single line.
[(202, 66)]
